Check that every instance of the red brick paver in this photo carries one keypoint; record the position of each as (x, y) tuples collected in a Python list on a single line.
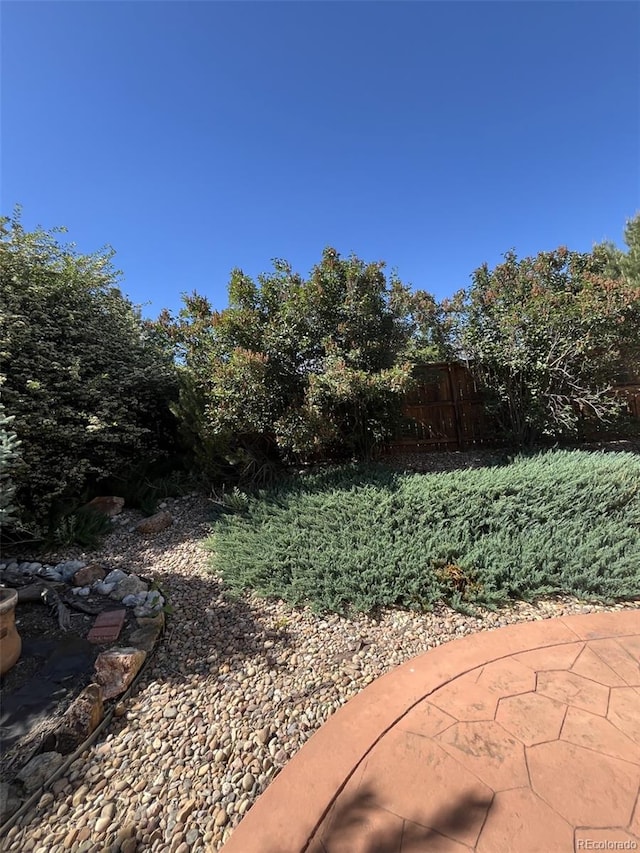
[(107, 627), (526, 739)]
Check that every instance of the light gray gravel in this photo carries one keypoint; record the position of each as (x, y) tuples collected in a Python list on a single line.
[(235, 689)]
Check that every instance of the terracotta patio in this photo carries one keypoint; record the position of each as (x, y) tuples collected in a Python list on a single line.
[(522, 739)]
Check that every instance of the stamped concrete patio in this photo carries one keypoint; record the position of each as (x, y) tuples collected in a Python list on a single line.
[(522, 739)]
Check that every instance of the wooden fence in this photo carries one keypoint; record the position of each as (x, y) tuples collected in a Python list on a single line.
[(446, 411)]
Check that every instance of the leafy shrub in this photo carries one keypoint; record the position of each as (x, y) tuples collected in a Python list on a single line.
[(88, 384), (9, 455), (548, 337), (364, 537)]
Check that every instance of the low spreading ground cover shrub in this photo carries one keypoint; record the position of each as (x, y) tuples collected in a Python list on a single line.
[(365, 537)]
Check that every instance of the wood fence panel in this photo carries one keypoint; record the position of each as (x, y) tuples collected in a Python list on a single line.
[(446, 411)]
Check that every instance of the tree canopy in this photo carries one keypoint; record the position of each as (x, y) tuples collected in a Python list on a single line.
[(86, 385), (302, 367), (550, 335)]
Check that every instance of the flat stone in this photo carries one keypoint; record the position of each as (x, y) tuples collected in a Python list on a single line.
[(116, 668), (155, 523), (487, 751), (532, 825), (107, 626), (602, 792), (532, 718), (574, 690)]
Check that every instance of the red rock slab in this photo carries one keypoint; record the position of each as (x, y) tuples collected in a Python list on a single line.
[(520, 821), (624, 711), (582, 785), (489, 752), (418, 839), (616, 655), (574, 690), (531, 717), (591, 665), (617, 623), (107, 626), (594, 732)]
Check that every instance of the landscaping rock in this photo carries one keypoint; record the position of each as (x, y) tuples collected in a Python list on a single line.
[(37, 771), (82, 718), (104, 588), (50, 573), (29, 568), (155, 523), (148, 631), (69, 568), (152, 605), (115, 576), (116, 669), (106, 505), (89, 575), (134, 600), (130, 585)]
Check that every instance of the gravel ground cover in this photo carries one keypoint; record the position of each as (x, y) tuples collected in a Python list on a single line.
[(234, 690)]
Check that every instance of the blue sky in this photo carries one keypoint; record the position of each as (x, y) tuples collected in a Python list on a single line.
[(195, 137)]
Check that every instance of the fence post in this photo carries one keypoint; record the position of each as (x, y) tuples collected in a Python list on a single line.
[(456, 407)]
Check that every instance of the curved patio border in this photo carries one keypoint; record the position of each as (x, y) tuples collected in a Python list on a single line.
[(292, 808)]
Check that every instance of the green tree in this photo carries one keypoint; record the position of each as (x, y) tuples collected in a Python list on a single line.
[(294, 368), (88, 385), (548, 336)]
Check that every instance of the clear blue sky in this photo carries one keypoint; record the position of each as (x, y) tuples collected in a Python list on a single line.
[(199, 136)]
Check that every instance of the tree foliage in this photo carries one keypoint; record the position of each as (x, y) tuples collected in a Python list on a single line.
[(550, 335), (9, 455), (86, 384), (300, 368)]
